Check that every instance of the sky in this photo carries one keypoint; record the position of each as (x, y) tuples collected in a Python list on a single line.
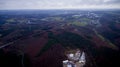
[(59, 4)]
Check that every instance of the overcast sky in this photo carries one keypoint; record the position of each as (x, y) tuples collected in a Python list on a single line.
[(59, 4)]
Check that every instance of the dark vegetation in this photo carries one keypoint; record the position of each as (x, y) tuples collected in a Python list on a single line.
[(13, 59), (57, 37)]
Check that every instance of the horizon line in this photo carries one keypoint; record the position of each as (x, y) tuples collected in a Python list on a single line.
[(69, 9)]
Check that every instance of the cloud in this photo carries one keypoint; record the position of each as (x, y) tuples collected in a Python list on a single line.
[(58, 4)]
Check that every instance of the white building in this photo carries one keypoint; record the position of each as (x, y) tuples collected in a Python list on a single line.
[(77, 59)]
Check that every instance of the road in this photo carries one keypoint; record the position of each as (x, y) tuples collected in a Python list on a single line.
[(5, 45)]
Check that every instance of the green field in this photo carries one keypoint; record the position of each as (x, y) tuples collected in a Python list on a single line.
[(79, 23)]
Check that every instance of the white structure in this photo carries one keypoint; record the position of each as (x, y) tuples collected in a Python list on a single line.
[(65, 62), (82, 58), (69, 65), (71, 55), (76, 59)]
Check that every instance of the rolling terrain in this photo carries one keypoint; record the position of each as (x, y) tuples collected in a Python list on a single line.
[(39, 38)]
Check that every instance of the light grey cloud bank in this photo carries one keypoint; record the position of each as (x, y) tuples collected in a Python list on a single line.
[(59, 4)]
